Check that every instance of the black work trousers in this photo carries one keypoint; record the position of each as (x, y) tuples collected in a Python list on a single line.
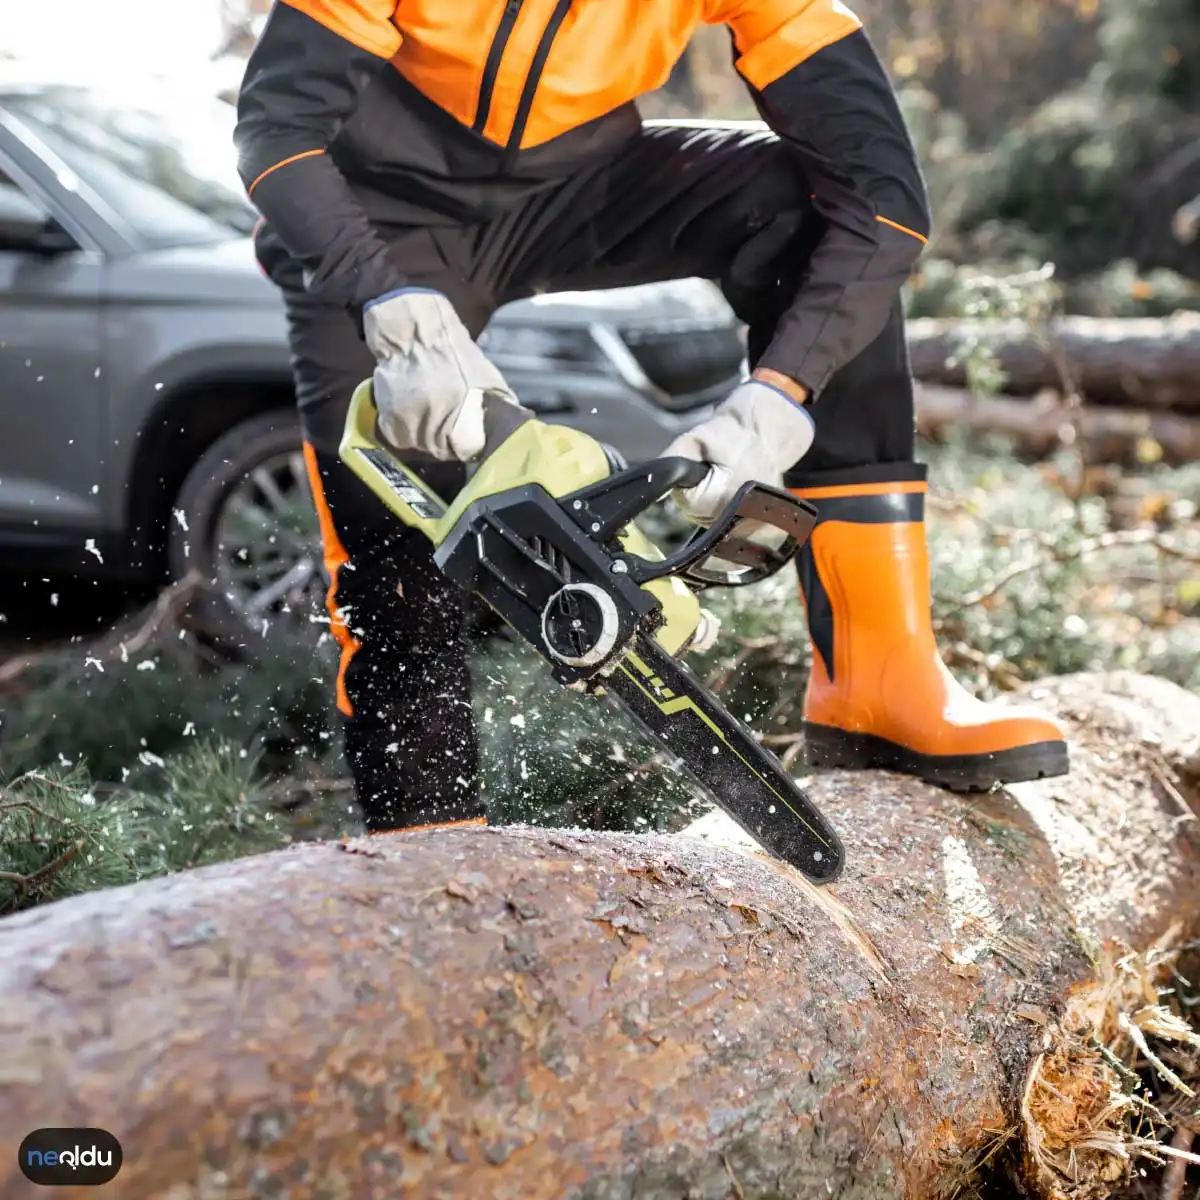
[(729, 205)]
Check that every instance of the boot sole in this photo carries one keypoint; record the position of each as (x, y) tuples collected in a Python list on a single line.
[(829, 747)]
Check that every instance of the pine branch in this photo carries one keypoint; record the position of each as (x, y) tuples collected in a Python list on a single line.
[(116, 644), (25, 883)]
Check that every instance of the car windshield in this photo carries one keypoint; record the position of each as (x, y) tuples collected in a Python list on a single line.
[(164, 164)]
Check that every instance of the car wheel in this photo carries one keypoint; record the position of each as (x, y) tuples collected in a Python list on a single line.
[(244, 522)]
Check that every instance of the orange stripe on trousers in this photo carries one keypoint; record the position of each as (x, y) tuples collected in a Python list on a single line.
[(336, 557), (906, 487)]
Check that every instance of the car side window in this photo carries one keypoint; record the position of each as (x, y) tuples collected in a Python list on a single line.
[(23, 219)]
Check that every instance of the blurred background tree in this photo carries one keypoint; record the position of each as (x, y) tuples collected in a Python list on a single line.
[(992, 64), (1098, 172)]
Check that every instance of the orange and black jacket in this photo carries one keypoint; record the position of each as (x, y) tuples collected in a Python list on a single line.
[(359, 114)]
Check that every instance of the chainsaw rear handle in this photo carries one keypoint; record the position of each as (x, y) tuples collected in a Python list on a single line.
[(759, 532)]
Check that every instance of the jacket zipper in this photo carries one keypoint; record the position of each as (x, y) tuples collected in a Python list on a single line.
[(491, 67), (525, 107)]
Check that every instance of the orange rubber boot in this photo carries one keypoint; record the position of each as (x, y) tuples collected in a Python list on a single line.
[(879, 694)]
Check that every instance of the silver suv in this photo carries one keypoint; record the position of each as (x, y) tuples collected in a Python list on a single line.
[(146, 420)]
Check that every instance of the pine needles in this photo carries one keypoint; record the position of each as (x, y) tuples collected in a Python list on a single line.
[(61, 836)]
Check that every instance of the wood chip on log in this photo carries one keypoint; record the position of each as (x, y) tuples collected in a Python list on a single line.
[(1042, 425), (1144, 362), (544, 1014)]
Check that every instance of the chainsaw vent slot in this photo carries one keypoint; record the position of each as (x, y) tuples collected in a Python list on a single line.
[(553, 557)]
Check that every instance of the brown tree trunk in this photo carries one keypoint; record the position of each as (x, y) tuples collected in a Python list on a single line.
[(531, 1013), (1143, 362), (1106, 434)]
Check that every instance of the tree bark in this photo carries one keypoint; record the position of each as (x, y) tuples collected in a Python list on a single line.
[(534, 1013), (1147, 363), (1106, 434)]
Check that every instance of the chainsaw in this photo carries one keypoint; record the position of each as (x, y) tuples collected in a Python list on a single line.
[(544, 533)]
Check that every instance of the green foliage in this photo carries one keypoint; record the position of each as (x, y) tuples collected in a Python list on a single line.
[(1088, 178), (1005, 516), (1121, 290), (1065, 184), (759, 666), (1121, 607), (110, 713), (1027, 291), (978, 295), (61, 835), (1152, 47)]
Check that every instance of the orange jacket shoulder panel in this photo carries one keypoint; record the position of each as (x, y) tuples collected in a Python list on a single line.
[(774, 36), (366, 24), (445, 49)]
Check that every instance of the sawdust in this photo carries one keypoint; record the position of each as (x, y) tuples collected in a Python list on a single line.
[(1074, 1115), (825, 898), (1085, 1114), (717, 829)]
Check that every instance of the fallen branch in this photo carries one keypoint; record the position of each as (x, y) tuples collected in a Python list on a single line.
[(538, 1014), (24, 883), (1042, 426), (1175, 1176), (791, 745), (1148, 363), (1135, 1035), (126, 640)]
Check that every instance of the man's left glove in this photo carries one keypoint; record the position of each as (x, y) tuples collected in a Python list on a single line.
[(432, 379), (756, 434)]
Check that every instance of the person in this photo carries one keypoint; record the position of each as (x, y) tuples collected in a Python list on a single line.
[(417, 164)]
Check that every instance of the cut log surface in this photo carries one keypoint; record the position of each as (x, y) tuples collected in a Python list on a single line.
[(1145, 362), (530, 1013), (1106, 434)]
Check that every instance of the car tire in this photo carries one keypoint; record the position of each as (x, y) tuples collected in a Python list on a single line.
[(194, 543), (199, 540)]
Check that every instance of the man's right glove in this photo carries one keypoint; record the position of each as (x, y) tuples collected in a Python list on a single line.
[(756, 434), (432, 379)]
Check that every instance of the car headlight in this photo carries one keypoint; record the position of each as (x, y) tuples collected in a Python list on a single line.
[(538, 347)]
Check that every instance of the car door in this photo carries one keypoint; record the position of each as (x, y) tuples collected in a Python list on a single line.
[(52, 425)]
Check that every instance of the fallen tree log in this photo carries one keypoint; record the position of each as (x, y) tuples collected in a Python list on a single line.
[(1148, 363), (1041, 427), (534, 1013)]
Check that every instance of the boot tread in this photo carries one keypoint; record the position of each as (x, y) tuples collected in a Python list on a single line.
[(829, 747)]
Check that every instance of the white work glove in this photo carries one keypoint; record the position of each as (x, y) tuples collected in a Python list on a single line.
[(756, 434), (432, 379)]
